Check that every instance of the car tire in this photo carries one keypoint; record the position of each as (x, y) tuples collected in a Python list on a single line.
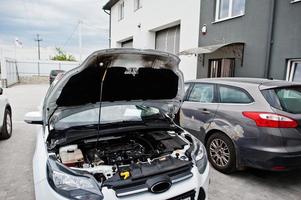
[(221, 153), (7, 127)]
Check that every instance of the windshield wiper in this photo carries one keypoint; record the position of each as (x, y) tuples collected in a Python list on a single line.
[(88, 127), (123, 123), (80, 132)]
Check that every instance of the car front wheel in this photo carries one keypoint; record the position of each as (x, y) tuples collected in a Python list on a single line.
[(221, 153), (7, 127)]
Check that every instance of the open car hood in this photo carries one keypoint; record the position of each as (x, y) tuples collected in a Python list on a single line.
[(120, 75)]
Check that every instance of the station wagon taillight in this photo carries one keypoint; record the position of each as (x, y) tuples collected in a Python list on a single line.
[(272, 120)]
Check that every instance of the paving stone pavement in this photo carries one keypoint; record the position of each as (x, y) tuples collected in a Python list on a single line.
[(16, 181)]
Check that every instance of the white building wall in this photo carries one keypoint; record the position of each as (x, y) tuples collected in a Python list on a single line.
[(156, 15)]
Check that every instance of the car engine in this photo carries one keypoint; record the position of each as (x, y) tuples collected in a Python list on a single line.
[(107, 156)]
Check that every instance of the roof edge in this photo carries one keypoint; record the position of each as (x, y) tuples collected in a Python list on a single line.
[(109, 4), (208, 49)]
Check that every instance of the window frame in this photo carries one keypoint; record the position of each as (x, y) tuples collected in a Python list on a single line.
[(291, 68), (192, 85), (187, 92), (230, 16), (236, 88), (220, 67), (131, 40), (121, 8), (137, 5), (295, 1)]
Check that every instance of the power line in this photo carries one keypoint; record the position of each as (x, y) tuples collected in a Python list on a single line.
[(94, 27), (71, 35)]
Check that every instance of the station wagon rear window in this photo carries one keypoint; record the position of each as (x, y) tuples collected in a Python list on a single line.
[(287, 99)]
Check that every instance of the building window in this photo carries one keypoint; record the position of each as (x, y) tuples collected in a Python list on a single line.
[(127, 44), (137, 4), (229, 8), (168, 40), (294, 70), (121, 11), (221, 68)]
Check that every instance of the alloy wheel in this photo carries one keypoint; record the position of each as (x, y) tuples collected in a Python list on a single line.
[(219, 152), (8, 124)]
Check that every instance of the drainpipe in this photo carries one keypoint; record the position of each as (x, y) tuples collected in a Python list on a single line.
[(270, 39), (110, 27)]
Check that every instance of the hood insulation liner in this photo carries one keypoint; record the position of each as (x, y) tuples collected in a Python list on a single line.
[(146, 84)]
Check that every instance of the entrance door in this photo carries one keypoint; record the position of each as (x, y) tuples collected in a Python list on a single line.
[(168, 40), (221, 68)]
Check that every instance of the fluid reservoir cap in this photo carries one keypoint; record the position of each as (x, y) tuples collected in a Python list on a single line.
[(125, 175)]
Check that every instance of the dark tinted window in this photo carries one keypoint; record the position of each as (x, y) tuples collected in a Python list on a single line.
[(203, 93), (287, 99), (233, 95), (56, 72)]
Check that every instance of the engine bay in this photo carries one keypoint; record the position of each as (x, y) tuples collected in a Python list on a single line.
[(117, 157)]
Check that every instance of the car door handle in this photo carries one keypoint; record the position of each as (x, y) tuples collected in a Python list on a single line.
[(204, 110)]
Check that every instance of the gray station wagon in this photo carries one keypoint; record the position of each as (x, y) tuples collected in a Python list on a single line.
[(245, 122)]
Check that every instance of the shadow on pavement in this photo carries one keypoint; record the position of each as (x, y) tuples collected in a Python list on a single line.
[(285, 178)]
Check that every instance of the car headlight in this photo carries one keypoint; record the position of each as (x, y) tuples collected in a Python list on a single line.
[(200, 156), (72, 185)]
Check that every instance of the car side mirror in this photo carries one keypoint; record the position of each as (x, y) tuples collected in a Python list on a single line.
[(34, 118), (1, 91)]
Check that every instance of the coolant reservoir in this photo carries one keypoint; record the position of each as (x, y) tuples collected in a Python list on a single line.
[(71, 156)]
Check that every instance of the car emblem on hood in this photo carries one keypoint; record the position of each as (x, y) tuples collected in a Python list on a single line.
[(158, 184), (133, 71)]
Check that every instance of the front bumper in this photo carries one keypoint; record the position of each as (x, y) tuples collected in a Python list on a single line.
[(198, 183), (274, 159)]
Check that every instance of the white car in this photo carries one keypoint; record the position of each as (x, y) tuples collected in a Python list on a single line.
[(6, 126), (107, 133)]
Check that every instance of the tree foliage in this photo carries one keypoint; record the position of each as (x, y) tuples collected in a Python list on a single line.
[(63, 56)]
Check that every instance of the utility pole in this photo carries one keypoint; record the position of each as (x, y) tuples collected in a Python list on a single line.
[(38, 40), (80, 22)]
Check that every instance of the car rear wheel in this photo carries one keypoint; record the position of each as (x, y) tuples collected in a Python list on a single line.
[(221, 153), (7, 127)]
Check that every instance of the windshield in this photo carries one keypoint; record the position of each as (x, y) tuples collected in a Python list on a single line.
[(109, 114)]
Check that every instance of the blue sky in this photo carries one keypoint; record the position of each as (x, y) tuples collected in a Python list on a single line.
[(56, 21)]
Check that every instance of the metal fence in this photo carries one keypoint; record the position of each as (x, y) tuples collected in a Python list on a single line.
[(43, 68), (9, 72), (12, 70)]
